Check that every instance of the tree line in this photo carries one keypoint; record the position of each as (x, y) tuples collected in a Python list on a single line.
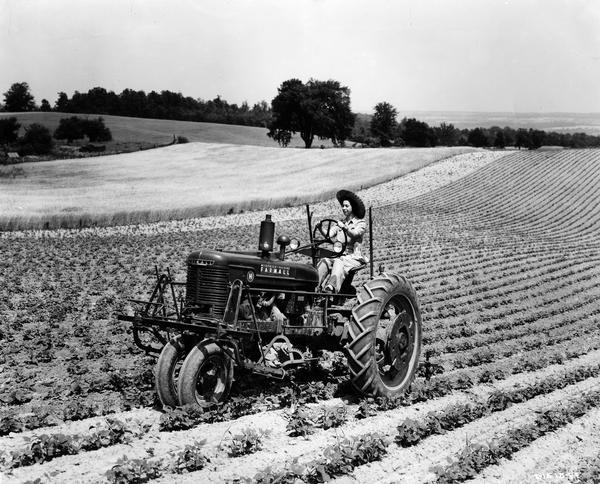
[(163, 105), (315, 109), (383, 129)]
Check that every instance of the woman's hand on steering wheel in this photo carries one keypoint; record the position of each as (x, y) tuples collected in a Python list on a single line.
[(328, 228)]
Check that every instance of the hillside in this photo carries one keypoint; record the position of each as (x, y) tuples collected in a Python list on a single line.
[(131, 132), (191, 180), (506, 264)]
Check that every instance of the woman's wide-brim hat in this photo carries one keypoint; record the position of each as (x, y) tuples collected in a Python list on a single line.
[(358, 207)]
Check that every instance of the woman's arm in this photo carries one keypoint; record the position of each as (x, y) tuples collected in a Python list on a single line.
[(357, 230)]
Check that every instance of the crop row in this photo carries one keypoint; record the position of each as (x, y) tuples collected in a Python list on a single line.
[(558, 324), (45, 447), (493, 310), (508, 321), (55, 445), (522, 277), (477, 456), (410, 432), (503, 287), (493, 353)]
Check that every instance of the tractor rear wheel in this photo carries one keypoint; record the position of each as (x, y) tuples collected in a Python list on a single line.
[(206, 375), (385, 334), (167, 370)]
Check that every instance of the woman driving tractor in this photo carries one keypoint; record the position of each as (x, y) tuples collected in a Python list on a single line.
[(333, 272)]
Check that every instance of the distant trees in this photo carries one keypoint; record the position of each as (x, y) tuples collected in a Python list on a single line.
[(317, 108), (62, 103), (18, 98), (499, 141), (384, 123), (74, 128), (96, 131), (522, 138), (447, 134), (36, 140), (417, 133), (69, 129), (163, 105), (478, 138), (411, 132), (9, 130), (45, 106)]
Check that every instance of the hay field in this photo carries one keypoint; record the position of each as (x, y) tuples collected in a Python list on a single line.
[(192, 180)]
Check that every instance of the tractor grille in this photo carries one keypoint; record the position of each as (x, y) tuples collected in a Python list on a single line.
[(207, 288)]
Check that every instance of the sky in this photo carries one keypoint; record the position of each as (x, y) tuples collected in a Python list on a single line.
[(418, 55)]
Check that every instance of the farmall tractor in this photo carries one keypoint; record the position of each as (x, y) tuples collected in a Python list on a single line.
[(213, 326)]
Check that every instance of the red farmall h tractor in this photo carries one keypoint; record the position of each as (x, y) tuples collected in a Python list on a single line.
[(221, 326)]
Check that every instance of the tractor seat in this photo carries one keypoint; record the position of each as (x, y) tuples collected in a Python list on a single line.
[(347, 287)]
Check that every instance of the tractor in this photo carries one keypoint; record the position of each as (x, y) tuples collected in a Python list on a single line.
[(213, 325)]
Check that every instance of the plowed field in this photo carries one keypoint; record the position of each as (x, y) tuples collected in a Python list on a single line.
[(506, 262)]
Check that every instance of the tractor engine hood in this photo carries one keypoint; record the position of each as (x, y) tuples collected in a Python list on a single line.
[(268, 272)]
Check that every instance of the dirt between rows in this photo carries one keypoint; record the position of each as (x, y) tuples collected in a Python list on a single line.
[(401, 465), (555, 458), (414, 464)]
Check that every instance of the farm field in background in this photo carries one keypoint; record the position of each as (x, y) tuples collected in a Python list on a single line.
[(192, 180), (506, 262), (135, 133)]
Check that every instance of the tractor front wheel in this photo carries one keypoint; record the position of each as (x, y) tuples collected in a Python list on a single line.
[(167, 370), (206, 375), (385, 333)]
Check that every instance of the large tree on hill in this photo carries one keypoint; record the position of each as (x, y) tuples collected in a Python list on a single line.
[(317, 108), (384, 123), (18, 98)]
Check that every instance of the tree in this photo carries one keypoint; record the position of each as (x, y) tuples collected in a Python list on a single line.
[(18, 98), (537, 138), (36, 140), (70, 129), (384, 124), (95, 130), (478, 138), (447, 134), (9, 130), (317, 108), (416, 133), (45, 106), (499, 142), (62, 103), (522, 138)]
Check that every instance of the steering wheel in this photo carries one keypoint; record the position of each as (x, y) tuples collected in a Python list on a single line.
[(324, 229)]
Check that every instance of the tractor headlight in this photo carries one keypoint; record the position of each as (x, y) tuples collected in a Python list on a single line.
[(337, 247), (294, 244)]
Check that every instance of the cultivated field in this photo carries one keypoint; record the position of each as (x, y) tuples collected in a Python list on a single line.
[(192, 180), (506, 262)]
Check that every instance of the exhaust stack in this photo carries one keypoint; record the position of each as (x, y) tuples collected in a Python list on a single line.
[(267, 234)]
